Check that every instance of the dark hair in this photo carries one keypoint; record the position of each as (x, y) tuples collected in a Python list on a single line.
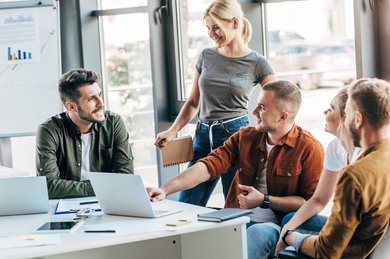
[(371, 96), (288, 93), (70, 82)]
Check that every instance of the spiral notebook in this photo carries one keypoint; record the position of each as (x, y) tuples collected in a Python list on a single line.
[(178, 151)]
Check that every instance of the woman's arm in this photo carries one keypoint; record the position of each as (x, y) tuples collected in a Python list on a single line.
[(317, 202), (187, 113), (313, 206), (268, 79)]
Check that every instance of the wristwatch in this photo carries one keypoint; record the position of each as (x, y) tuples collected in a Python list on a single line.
[(265, 204)]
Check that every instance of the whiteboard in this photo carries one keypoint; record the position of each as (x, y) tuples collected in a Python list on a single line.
[(30, 67)]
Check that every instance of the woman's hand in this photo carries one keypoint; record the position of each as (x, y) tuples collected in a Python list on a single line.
[(163, 138)]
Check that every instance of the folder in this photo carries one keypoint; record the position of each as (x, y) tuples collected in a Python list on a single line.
[(178, 151), (223, 214)]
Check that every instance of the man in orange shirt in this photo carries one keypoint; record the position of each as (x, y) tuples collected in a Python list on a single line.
[(279, 165)]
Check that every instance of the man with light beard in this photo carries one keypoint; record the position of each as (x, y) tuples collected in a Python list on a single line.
[(83, 139), (361, 210), (279, 165)]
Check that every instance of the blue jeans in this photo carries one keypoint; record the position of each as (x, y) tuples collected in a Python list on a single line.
[(200, 194), (311, 226), (262, 239)]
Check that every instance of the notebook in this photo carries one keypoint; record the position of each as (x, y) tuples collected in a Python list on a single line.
[(178, 151), (125, 195), (23, 195), (223, 214)]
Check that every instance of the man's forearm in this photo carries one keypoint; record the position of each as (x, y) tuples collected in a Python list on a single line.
[(287, 203), (189, 178)]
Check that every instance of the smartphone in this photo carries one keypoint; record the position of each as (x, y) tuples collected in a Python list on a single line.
[(179, 222)]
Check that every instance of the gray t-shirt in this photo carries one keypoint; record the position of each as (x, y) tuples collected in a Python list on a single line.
[(226, 83)]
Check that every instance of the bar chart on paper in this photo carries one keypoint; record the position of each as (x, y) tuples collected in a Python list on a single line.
[(19, 37), (19, 54)]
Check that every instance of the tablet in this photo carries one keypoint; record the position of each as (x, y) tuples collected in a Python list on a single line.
[(59, 226)]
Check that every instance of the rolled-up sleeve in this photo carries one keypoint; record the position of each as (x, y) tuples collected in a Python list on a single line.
[(223, 158)]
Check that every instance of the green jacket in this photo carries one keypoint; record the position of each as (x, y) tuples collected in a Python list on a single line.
[(58, 155)]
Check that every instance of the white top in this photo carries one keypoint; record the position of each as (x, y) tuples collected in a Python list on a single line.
[(336, 158), (262, 187), (85, 148)]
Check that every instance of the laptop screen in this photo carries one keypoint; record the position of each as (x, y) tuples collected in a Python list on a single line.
[(24, 195)]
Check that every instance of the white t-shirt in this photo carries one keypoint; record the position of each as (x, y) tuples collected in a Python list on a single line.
[(336, 158), (85, 148), (262, 187)]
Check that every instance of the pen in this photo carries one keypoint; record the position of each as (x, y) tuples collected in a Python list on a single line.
[(88, 202), (99, 231)]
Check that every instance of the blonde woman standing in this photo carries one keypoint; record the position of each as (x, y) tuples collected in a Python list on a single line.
[(224, 79)]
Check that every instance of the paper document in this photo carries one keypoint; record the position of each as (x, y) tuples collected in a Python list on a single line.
[(178, 151), (72, 206), (30, 240)]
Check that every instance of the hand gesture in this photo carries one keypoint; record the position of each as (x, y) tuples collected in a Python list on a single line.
[(163, 138), (156, 194), (249, 197)]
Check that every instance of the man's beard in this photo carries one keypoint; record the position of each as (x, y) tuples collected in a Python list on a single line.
[(87, 117), (265, 128), (355, 135)]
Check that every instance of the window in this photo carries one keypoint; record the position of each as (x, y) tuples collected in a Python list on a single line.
[(129, 87), (193, 39), (319, 57)]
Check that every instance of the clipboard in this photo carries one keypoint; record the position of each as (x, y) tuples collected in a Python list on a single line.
[(178, 151)]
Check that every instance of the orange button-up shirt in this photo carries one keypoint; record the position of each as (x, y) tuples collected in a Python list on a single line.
[(294, 166)]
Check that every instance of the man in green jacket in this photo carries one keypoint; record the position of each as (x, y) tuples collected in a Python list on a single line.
[(83, 139), (361, 209)]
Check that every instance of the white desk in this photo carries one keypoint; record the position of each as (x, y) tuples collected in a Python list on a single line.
[(135, 237)]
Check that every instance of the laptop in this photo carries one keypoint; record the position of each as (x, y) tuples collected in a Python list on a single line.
[(23, 195), (125, 195)]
